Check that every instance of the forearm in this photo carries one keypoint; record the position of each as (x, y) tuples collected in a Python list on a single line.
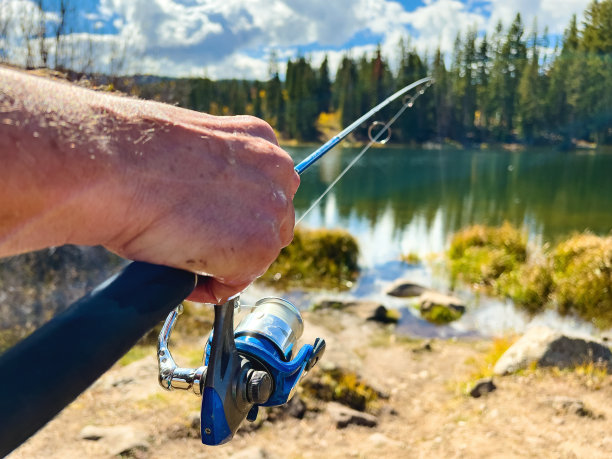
[(55, 161)]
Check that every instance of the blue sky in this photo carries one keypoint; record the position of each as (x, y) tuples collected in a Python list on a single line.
[(234, 38)]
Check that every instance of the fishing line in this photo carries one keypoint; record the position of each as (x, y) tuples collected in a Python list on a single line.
[(408, 102)]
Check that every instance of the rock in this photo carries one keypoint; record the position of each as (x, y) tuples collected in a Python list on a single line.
[(117, 439), (482, 387), (426, 347), (440, 309), (568, 405), (344, 416), (296, 408), (551, 349), (365, 309), (430, 299), (194, 420), (384, 315), (403, 288)]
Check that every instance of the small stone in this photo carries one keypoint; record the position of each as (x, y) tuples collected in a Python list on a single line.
[(194, 420), (344, 416), (383, 315), (568, 405), (426, 347), (405, 289), (296, 408), (483, 387)]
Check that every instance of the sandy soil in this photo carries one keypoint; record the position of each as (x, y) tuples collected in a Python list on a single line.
[(426, 415)]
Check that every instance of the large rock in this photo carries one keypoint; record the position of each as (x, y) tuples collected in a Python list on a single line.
[(403, 288), (549, 348)]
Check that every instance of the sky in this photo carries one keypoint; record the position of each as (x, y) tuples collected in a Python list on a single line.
[(235, 38)]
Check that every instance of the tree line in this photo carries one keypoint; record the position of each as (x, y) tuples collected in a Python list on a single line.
[(507, 86)]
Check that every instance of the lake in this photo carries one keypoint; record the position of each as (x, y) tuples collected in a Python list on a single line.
[(397, 201)]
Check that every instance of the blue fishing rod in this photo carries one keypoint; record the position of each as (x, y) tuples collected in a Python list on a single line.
[(253, 365)]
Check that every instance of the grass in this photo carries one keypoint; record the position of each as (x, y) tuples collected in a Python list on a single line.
[(575, 277), (481, 254), (582, 272), (316, 259), (482, 367)]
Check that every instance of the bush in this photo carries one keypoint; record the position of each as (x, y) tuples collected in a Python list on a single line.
[(316, 259), (481, 254), (582, 272), (529, 286)]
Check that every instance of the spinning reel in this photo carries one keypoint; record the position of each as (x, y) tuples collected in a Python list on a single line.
[(251, 366)]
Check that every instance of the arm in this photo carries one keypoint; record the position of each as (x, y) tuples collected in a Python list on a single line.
[(150, 182)]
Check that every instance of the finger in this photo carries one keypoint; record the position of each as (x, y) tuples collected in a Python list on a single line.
[(209, 290)]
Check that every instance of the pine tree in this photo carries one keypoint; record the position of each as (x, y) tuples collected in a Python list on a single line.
[(324, 88), (530, 99)]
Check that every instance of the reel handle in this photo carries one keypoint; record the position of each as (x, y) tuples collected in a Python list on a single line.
[(50, 368)]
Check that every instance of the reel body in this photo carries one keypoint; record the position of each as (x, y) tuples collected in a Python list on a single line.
[(243, 369)]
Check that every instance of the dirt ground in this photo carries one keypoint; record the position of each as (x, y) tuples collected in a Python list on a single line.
[(425, 416)]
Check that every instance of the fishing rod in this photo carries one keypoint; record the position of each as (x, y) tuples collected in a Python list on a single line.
[(253, 365)]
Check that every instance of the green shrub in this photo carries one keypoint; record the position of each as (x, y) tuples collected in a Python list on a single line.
[(583, 278), (316, 259), (529, 286), (481, 254)]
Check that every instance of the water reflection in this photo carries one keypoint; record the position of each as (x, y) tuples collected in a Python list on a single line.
[(396, 200)]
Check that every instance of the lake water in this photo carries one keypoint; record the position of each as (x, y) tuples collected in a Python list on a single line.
[(398, 200)]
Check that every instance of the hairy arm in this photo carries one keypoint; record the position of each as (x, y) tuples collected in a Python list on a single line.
[(150, 182)]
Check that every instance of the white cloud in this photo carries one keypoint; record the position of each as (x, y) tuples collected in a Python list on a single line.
[(233, 38), (555, 14), (438, 22)]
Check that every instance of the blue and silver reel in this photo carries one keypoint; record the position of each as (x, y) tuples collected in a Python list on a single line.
[(251, 366)]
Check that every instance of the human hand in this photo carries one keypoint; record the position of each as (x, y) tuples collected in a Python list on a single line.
[(212, 195)]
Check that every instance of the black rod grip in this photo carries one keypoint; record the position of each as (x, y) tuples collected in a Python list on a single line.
[(46, 371)]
